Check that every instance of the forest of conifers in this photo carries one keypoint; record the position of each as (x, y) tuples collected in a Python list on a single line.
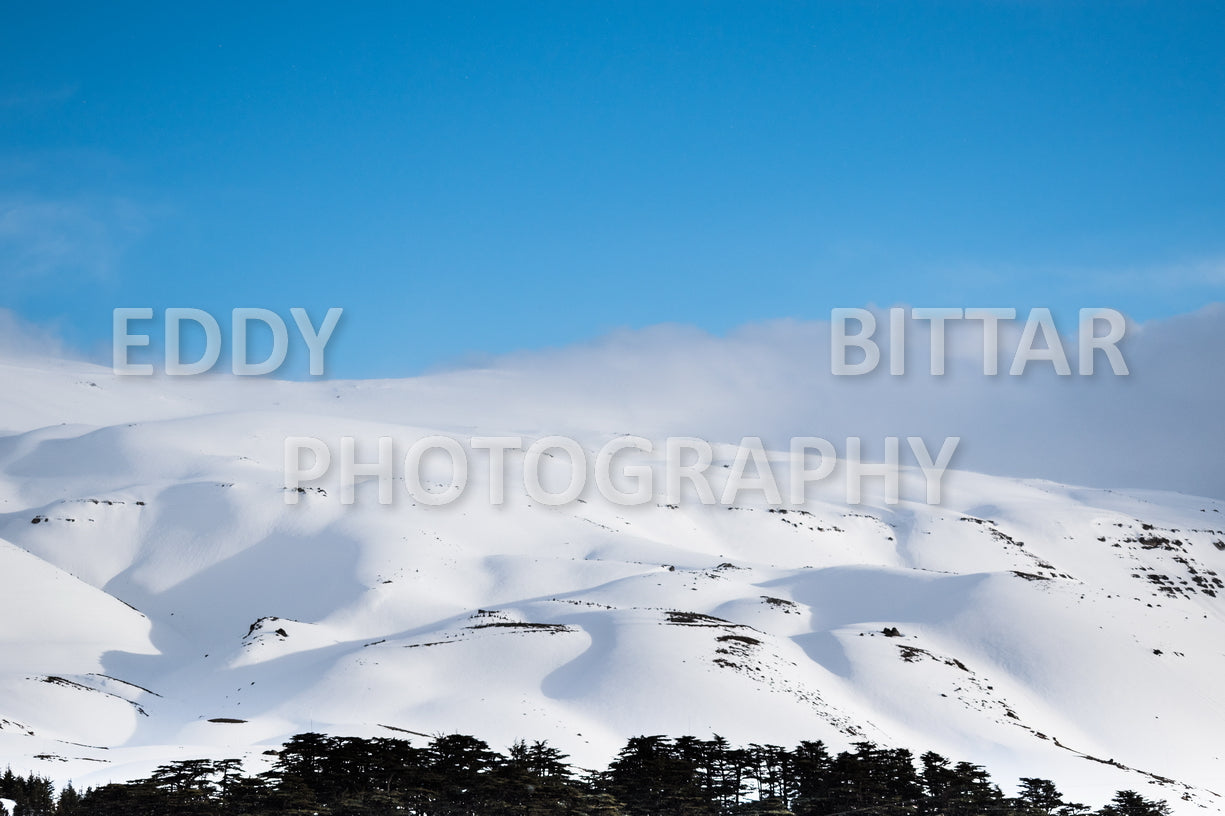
[(459, 775)]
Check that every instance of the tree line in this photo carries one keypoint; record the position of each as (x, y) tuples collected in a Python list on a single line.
[(457, 775)]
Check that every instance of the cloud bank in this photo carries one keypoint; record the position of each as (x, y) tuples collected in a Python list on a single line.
[(1160, 427)]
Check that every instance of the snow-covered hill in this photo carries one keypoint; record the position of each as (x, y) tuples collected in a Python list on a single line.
[(159, 600)]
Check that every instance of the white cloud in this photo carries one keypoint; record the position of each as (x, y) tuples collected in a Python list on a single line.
[(37, 99), (1208, 272), (78, 237), (20, 339), (1158, 428)]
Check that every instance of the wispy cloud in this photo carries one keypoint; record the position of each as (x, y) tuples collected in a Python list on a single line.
[(22, 339), (38, 98), (1189, 274), (1158, 428), (73, 238)]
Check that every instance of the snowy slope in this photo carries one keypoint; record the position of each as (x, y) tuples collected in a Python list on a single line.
[(159, 599)]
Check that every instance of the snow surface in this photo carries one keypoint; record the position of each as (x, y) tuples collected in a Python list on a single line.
[(160, 600)]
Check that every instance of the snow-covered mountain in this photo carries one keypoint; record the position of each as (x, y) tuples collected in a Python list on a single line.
[(159, 599)]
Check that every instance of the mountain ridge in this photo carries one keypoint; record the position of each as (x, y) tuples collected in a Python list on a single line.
[(162, 600)]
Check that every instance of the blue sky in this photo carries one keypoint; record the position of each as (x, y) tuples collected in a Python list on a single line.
[(468, 180)]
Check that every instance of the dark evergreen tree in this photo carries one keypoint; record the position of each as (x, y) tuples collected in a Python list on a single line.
[(69, 802), (298, 779), (186, 787), (1040, 797), (34, 795), (964, 789), (460, 773), (649, 778), (813, 776), (1130, 803)]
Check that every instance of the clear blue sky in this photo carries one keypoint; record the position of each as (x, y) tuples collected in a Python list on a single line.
[(475, 179)]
